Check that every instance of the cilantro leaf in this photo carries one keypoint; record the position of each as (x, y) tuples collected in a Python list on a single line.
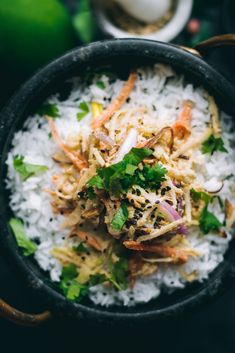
[(100, 84), (118, 272), (70, 286), (130, 169), (76, 291), (208, 221), (115, 178), (90, 193), (84, 106), (97, 279), (81, 115), (213, 144), (136, 155), (121, 176), (27, 170), (155, 174), (120, 218), (96, 181), (69, 272), (228, 177), (28, 246), (84, 110), (80, 248), (200, 195), (49, 109)]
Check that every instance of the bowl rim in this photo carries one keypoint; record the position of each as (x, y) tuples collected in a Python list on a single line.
[(163, 52)]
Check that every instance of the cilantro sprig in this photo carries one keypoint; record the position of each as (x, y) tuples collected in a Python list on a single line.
[(83, 106), (72, 289), (117, 275), (118, 271), (26, 170), (120, 217), (75, 291), (27, 245), (207, 220), (49, 109), (80, 248), (100, 84), (213, 144), (200, 195), (119, 177)]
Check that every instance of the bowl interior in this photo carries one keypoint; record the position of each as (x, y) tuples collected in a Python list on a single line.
[(118, 56)]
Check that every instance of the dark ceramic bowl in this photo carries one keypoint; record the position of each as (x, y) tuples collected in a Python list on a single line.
[(119, 55)]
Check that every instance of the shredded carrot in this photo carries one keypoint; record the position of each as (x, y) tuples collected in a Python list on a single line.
[(89, 239), (78, 161), (49, 191), (54, 178), (117, 102), (176, 254), (182, 126), (102, 145)]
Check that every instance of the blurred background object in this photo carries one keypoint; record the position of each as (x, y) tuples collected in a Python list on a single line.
[(33, 32), (146, 10), (149, 19), (84, 22)]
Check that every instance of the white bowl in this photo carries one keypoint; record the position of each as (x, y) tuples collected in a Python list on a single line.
[(165, 34)]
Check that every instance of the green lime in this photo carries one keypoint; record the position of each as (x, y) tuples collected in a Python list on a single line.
[(32, 32)]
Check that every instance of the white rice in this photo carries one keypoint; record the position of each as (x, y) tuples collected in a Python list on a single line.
[(29, 203)]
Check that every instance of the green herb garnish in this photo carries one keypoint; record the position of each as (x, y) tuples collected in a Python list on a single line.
[(130, 169), (100, 84), (121, 176), (213, 144), (96, 181), (27, 245), (153, 175), (118, 272), (97, 279), (76, 291), (208, 221), (84, 111), (90, 193), (228, 177), (49, 109), (80, 248), (120, 218), (26, 170), (69, 272), (200, 195), (73, 290)]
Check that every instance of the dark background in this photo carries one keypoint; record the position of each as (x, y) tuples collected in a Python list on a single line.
[(209, 329)]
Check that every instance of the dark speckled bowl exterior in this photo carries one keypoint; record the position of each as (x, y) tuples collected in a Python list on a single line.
[(120, 54)]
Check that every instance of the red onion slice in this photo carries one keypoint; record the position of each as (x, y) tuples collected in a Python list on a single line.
[(172, 215)]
